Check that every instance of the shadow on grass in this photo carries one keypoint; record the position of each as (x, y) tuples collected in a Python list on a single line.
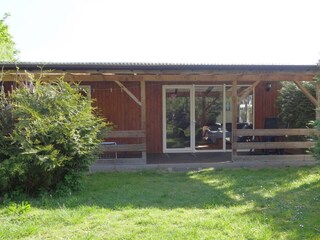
[(284, 199), (294, 212), (288, 200), (184, 190), (144, 190)]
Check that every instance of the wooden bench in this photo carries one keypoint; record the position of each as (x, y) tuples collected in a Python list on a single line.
[(116, 147)]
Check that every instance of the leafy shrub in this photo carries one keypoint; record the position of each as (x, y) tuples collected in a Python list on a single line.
[(316, 149), (296, 110), (49, 135)]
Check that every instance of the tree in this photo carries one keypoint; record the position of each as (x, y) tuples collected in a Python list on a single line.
[(49, 136), (7, 45), (296, 110)]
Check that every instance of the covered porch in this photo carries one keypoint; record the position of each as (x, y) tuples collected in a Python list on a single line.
[(136, 98)]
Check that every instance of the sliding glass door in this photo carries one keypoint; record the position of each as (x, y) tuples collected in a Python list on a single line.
[(198, 117), (177, 121), (209, 119)]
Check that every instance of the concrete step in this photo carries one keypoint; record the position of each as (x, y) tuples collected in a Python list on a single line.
[(199, 166), (121, 161)]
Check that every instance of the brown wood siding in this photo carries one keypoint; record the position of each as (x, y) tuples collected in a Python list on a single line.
[(154, 117), (117, 106), (120, 109), (265, 103)]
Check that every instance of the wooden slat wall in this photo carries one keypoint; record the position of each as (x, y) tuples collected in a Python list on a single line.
[(120, 109), (154, 117), (265, 103), (116, 106)]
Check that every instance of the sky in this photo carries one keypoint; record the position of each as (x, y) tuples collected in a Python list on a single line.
[(166, 31)]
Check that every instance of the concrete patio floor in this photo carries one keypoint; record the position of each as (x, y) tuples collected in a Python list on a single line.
[(194, 161)]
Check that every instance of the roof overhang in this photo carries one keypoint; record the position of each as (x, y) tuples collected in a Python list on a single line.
[(160, 72)]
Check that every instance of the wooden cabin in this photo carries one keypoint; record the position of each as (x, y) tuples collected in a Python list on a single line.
[(182, 108)]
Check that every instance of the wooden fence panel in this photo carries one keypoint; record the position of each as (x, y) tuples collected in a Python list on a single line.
[(131, 147), (273, 145), (260, 142)]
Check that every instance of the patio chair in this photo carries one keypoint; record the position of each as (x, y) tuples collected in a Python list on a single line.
[(271, 123)]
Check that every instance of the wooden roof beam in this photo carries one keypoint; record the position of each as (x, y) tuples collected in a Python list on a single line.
[(227, 77)]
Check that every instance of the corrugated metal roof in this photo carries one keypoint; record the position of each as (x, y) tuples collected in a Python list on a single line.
[(102, 66)]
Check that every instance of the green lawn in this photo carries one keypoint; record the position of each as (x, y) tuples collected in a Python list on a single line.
[(209, 204)]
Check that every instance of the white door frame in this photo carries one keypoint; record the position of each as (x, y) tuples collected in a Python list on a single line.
[(164, 119), (191, 88)]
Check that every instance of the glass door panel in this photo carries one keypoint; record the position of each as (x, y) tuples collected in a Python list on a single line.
[(228, 118), (245, 117), (199, 117), (177, 118), (209, 130), (246, 110)]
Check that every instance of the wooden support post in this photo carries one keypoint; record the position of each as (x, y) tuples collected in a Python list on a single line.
[(143, 114), (234, 118)]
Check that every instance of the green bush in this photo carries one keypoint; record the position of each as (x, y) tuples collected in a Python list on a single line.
[(49, 136), (316, 149), (296, 110)]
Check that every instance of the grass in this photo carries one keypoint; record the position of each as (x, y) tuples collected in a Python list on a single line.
[(209, 204)]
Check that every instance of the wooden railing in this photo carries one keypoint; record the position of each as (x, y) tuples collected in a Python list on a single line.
[(116, 147), (260, 139)]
